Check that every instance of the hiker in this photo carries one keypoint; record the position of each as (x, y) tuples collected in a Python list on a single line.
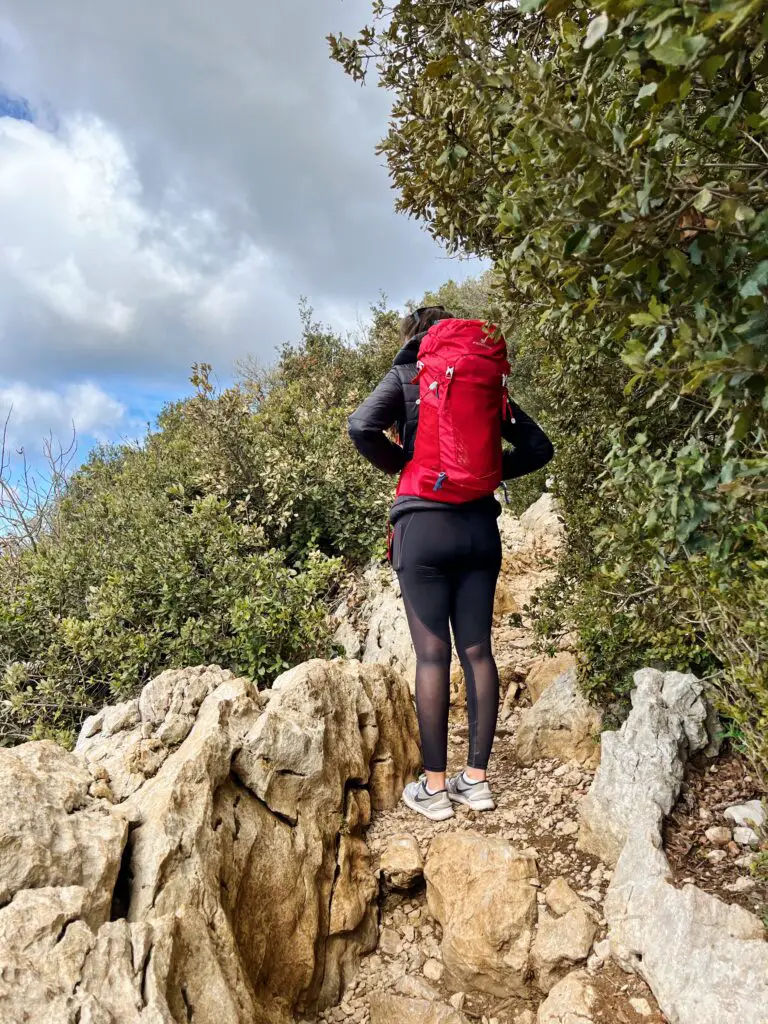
[(449, 381)]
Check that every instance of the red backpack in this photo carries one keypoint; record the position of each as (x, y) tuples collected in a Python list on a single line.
[(462, 375)]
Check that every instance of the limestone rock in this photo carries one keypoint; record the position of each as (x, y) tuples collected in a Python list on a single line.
[(718, 835), (56, 969), (745, 836), (416, 988), (433, 970), (749, 815), (389, 942), (401, 863), (480, 891), (52, 833), (564, 936), (130, 742), (705, 961), (505, 602), (510, 687), (641, 1007), (531, 546), (246, 891), (390, 1009), (537, 535), (572, 1001), (742, 884), (545, 671), (388, 639), (458, 686), (347, 637), (561, 724), (642, 764)]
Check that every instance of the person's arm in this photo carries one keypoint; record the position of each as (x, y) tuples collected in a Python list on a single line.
[(532, 447), (367, 424)]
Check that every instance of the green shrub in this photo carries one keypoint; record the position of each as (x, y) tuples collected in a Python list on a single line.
[(219, 539)]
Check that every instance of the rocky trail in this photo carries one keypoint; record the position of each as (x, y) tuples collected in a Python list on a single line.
[(211, 854), (537, 812)]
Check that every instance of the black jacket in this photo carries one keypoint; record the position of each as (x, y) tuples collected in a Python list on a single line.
[(394, 401)]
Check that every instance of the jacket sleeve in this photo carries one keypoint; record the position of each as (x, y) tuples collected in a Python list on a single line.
[(382, 408), (532, 449)]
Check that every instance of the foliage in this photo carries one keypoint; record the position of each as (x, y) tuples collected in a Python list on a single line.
[(317, 492), (218, 539), (610, 159)]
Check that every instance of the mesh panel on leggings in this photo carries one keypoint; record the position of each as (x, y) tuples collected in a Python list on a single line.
[(482, 680), (433, 681)]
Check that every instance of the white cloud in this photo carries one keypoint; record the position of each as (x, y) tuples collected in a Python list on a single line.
[(34, 413), (80, 247), (194, 170)]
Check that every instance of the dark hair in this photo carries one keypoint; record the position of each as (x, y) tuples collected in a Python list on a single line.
[(420, 320)]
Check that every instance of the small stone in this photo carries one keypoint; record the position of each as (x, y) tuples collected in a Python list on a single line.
[(641, 1007), (433, 970), (389, 942), (417, 961), (745, 836), (401, 863), (409, 933), (718, 835), (717, 856), (602, 950), (570, 828), (416, 988), (747, 861), (742, 884), (101, 790), (751, 814), (457, 1001), (526, 1017)]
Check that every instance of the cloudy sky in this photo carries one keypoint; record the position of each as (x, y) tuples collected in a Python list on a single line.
[(174, 175)]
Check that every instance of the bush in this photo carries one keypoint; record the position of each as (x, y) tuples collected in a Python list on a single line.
[(219, 539), (609, 159)]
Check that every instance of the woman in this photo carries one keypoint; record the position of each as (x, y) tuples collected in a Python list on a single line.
[(446, 551)]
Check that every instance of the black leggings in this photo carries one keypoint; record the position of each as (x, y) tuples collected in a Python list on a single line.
[(448, 561)]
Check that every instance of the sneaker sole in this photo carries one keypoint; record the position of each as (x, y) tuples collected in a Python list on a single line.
[(474, 805), (442, 814)]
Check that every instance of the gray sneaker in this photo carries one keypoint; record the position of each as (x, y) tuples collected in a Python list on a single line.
[(476, 795), (435, 806)]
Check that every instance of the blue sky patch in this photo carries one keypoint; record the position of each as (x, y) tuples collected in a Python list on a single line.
[(16, 107)]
